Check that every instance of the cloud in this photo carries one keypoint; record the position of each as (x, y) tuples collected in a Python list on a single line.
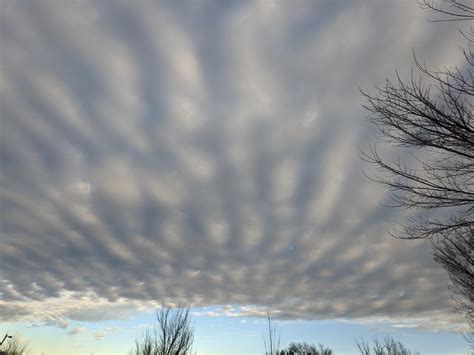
[(76, 330), (101, 334), (205, 154)]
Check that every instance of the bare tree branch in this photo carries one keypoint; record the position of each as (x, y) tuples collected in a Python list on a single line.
[(452, 10), (431, 118)]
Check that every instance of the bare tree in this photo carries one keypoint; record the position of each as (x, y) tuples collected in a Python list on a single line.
[(388, 346), (410, 115), (147, 345), (172, 334), (272, 344), (432, 118), (455, 251), (363, 346)]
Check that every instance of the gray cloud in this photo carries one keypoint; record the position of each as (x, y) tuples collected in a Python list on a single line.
[(204, 153)]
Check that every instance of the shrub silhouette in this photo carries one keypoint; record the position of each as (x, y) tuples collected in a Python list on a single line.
[(305, 349)]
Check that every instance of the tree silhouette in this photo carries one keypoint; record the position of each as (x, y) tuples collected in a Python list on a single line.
[(432, 117), (272, 344), (452, 10), (171, 335), (305, 349), (388, 346), (13, 345)]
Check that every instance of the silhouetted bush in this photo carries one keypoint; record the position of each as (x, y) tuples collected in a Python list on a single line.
[(306, 349)]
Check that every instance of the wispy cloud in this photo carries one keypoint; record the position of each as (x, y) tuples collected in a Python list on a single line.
[(76, 330)]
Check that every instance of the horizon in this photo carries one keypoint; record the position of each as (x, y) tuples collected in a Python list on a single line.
[(207, 153), (236, 335)]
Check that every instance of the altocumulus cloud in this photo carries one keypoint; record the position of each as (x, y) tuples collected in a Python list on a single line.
[(207, 153)]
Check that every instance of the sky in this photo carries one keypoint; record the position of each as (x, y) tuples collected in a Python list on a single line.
[(207, 153)]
